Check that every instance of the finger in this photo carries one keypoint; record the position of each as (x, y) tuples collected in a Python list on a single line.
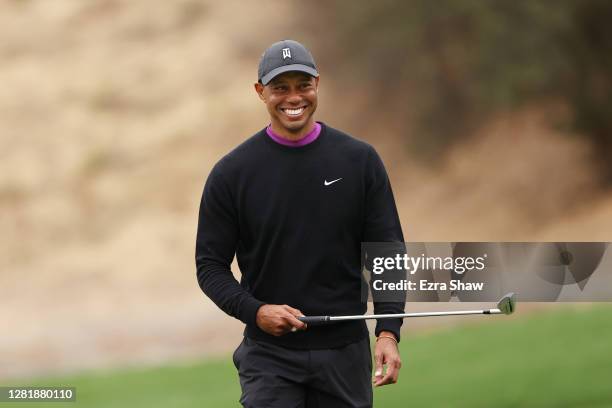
[(378, 367), (392, 373), (390, 376), (295, 322), (297, 313), (293, 311), (289, 323)]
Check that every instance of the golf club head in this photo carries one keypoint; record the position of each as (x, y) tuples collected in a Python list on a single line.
[(507, 303)]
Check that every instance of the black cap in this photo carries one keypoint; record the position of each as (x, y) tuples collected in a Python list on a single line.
[(285, 56)]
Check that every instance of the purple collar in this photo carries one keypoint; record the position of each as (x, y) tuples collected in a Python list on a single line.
[(308, 138)]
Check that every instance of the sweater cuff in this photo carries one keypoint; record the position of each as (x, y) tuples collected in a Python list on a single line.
[(250, 307), (392, 325)]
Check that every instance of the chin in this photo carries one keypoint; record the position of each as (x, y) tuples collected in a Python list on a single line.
[(294, 125)]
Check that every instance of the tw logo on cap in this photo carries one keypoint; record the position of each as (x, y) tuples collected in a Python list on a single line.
[(286, 53)]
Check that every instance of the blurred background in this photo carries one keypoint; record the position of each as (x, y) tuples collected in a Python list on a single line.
[(494, 120)]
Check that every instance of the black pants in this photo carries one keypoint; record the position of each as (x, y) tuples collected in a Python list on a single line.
[(273, 376)]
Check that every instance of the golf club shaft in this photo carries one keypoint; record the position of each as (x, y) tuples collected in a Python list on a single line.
[(416, 314), (505, 306), (315, 320)]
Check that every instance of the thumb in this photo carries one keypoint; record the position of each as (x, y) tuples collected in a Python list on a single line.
[(378, 360)]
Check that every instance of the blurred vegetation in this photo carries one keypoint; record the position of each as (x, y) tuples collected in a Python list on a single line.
[(443, 66), (589, 86)]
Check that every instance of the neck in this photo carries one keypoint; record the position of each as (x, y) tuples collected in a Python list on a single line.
[(293, 135)]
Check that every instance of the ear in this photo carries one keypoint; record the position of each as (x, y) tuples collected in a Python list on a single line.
[(317, 81), (259, 88)]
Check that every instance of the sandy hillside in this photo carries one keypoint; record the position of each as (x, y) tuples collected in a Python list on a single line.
[(112, 114)]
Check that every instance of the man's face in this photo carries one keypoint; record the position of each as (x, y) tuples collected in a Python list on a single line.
[(291, 100)]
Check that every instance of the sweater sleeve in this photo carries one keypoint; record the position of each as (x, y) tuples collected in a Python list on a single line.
[(216, 241), (382, 224)]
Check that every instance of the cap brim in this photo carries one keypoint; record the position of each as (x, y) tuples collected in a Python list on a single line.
[(288, 68)]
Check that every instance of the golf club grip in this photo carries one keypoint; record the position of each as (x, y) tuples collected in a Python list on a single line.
[(314, 320)]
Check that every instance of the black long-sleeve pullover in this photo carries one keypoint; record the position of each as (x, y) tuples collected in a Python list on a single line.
[(296, 233)]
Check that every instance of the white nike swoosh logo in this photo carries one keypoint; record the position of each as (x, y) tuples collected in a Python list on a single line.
[(327, 183)]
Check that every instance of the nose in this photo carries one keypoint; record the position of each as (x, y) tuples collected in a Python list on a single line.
[(294, 97)]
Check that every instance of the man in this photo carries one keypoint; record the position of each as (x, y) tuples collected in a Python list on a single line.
[(294, 202)]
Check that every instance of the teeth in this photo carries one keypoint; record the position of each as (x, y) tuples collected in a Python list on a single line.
[(294, 112)]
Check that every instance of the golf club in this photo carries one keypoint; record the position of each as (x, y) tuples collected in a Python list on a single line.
[(506, 305)]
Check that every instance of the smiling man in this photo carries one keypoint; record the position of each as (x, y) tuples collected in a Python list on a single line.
[(291, 99), (293, 203)]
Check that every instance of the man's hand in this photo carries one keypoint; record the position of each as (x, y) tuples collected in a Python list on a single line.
[(386, 354), (279, 319)]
